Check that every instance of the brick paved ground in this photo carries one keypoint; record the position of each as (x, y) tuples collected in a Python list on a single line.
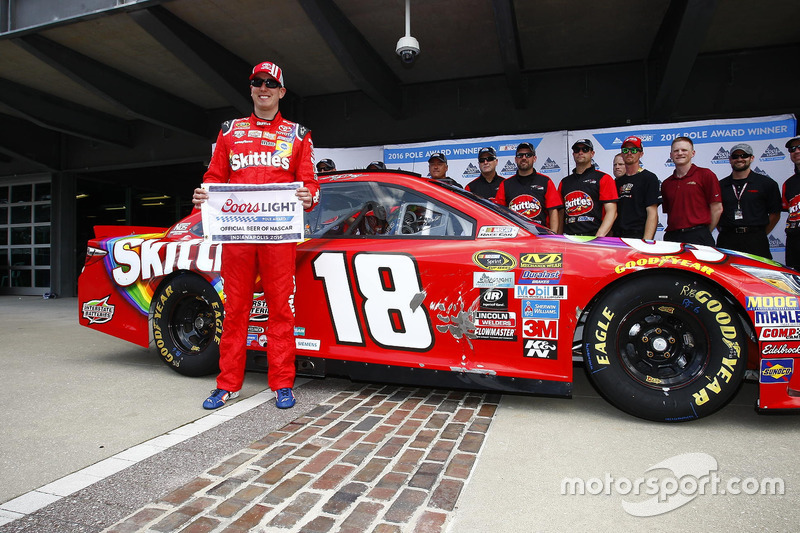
[(370, 459)]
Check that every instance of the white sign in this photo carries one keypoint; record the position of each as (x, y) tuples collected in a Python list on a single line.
[(250, 213)]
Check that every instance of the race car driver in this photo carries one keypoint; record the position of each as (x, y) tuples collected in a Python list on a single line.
[(261, 148)]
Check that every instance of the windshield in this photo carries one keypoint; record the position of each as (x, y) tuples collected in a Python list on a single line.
[(501, 210)]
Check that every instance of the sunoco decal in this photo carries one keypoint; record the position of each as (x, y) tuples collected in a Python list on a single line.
[(776, 370), (98, 311), (494, 260)]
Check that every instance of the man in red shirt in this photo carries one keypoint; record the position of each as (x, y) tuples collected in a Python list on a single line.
[(691, 198), (261, 148)]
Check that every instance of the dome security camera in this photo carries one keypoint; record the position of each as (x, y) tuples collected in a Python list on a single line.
[(407, 49)]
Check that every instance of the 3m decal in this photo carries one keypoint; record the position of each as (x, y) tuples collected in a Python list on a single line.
[(98, 311), (776, 370), (539, 349), (494, 260), (540, 329), (391, 297), (541, 260)]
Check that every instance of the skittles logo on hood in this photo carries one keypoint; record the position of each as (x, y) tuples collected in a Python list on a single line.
[(578, 203), (526, 205)]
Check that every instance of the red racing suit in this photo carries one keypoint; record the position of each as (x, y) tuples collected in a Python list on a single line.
[(253, 150)]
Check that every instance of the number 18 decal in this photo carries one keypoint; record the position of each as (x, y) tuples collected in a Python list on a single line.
[(392, 297)]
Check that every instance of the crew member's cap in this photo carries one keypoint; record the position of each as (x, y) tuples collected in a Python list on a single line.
[(743, 147), (587, 142), (376, 165), (527, 145), (632, 140), (438, 155), (268, 68), (325, 164), (487, 150), (790, 141)]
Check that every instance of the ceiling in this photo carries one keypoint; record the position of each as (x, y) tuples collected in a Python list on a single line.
[(122, 84)]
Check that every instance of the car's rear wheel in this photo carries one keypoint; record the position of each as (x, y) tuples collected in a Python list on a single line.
[(665, 347), (187, 325)]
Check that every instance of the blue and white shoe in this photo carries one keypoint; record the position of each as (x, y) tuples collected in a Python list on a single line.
[(284, 398), (218, 398)]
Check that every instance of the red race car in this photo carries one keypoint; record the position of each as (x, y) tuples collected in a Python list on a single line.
[(408, 280)]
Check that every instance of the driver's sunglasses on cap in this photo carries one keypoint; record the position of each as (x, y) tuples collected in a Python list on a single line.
[(627, 150), (485, 159), (323, 167), (269, 82), (584, 149)]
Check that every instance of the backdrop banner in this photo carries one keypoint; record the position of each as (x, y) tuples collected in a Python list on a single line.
[(462, 155), (712, 140)]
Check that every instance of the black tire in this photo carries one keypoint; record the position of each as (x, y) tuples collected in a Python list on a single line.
[(664, 347), (187, 325)]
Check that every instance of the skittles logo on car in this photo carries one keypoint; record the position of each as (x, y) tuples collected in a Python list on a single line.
[(526, 205), (578, 203)]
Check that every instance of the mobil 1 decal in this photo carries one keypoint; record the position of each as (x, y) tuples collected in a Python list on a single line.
[(495, 325)]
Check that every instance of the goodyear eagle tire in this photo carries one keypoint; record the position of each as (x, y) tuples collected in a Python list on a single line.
[(187, 325), (665, 347)]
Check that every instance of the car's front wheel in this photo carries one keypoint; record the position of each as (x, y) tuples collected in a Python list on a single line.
[(187, 325), (665, 347)]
